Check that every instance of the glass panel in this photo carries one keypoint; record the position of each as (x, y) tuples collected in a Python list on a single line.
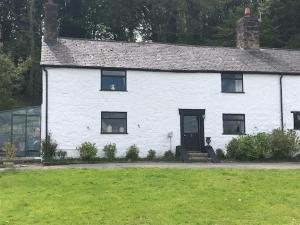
[(114, 126), (232, 76), (5, 128), (234, 127), (34, 111), (33, 133), (113, 73), (229, 85), (233, 117), (190, 124), (113, 83), (19, 123), (114, 115)]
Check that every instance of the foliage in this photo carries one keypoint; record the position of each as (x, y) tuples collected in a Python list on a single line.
[(87, 150), (61, 154), (151, 154), (110, 151), (276, 145), (132, 153), (49, 148), (10, 150), (169, 155), (220, 154)]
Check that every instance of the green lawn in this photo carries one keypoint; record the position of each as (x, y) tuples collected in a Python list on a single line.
[(150, 196)]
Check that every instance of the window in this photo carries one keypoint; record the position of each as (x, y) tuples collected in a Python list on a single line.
[(113, 80), (114, 123), (233, 124), (232, 83), (296, 120)]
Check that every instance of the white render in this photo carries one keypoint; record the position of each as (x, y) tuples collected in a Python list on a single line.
[(152, 103)]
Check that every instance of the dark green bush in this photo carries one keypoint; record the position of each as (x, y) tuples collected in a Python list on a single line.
[(110, 151), (151, 154), (132, 153), (220, 154), (87, 150), (276, 145), (61, 154), (49, 147), (169, 156)]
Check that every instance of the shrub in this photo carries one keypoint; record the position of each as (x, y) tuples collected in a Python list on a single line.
[(87, 150), (132, 153), (276, 145), (169, 156), (284, 144), (220, 154), (10, 150), (151, 154), (61, 154), (110, 151), (49, 148)]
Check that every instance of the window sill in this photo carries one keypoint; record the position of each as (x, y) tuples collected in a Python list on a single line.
[(113, 91), (113, 133), (227, 92)]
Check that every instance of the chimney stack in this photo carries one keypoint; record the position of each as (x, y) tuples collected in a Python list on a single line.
[(51, 24), (248, 31)]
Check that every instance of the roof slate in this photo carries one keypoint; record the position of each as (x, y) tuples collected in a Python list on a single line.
[(167, 57)]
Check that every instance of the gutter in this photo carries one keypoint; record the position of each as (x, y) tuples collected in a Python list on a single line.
[(46, 119), (281, 102)]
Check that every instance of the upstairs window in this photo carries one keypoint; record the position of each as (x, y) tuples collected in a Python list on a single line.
[(232, 83), (114, 123), (233, 124), (296, 120), (113, 80)]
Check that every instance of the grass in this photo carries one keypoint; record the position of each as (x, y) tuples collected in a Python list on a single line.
[(150, 196)]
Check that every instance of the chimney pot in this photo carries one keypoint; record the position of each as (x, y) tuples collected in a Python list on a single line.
[(247, 12)]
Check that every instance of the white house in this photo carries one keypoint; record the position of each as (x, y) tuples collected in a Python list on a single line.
[(159, 96)]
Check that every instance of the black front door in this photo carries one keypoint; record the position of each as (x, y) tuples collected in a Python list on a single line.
[(192, 129)]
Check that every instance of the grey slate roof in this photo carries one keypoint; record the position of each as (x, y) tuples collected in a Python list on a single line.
[(167, 57)]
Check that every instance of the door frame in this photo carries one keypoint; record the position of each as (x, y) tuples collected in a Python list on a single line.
[(193, 112)]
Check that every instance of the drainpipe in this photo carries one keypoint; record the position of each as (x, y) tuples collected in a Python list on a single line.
[(281, 102), (46, 119)]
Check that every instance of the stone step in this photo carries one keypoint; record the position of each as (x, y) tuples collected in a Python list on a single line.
[(199, 159), (199, 154)]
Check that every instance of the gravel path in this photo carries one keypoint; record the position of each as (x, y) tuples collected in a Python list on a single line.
[(285, 165)]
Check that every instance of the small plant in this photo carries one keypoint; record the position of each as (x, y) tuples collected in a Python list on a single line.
[(151, 154), (110, 151), (220, 154), (132, 153), (10, 150), (49, 148), (87, 150), (61, 154), (169, 156)]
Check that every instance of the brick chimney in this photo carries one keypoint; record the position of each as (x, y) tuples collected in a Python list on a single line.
[(248, 31), (50, 22)]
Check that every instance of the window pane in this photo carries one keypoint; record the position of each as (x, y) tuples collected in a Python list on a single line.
[(233, 117), (297, 121), (111, 83), (113, 72), (114, 126), (234, 127), (114, 115), (230, 85), (190, 124)]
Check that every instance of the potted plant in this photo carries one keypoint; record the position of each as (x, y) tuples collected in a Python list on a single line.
[(10, 153)]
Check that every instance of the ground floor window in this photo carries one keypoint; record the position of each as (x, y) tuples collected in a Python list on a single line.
[(296, 120), (113, 122), (233, 124)]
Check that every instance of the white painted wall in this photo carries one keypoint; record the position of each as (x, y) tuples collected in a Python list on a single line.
[(152, 103)]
